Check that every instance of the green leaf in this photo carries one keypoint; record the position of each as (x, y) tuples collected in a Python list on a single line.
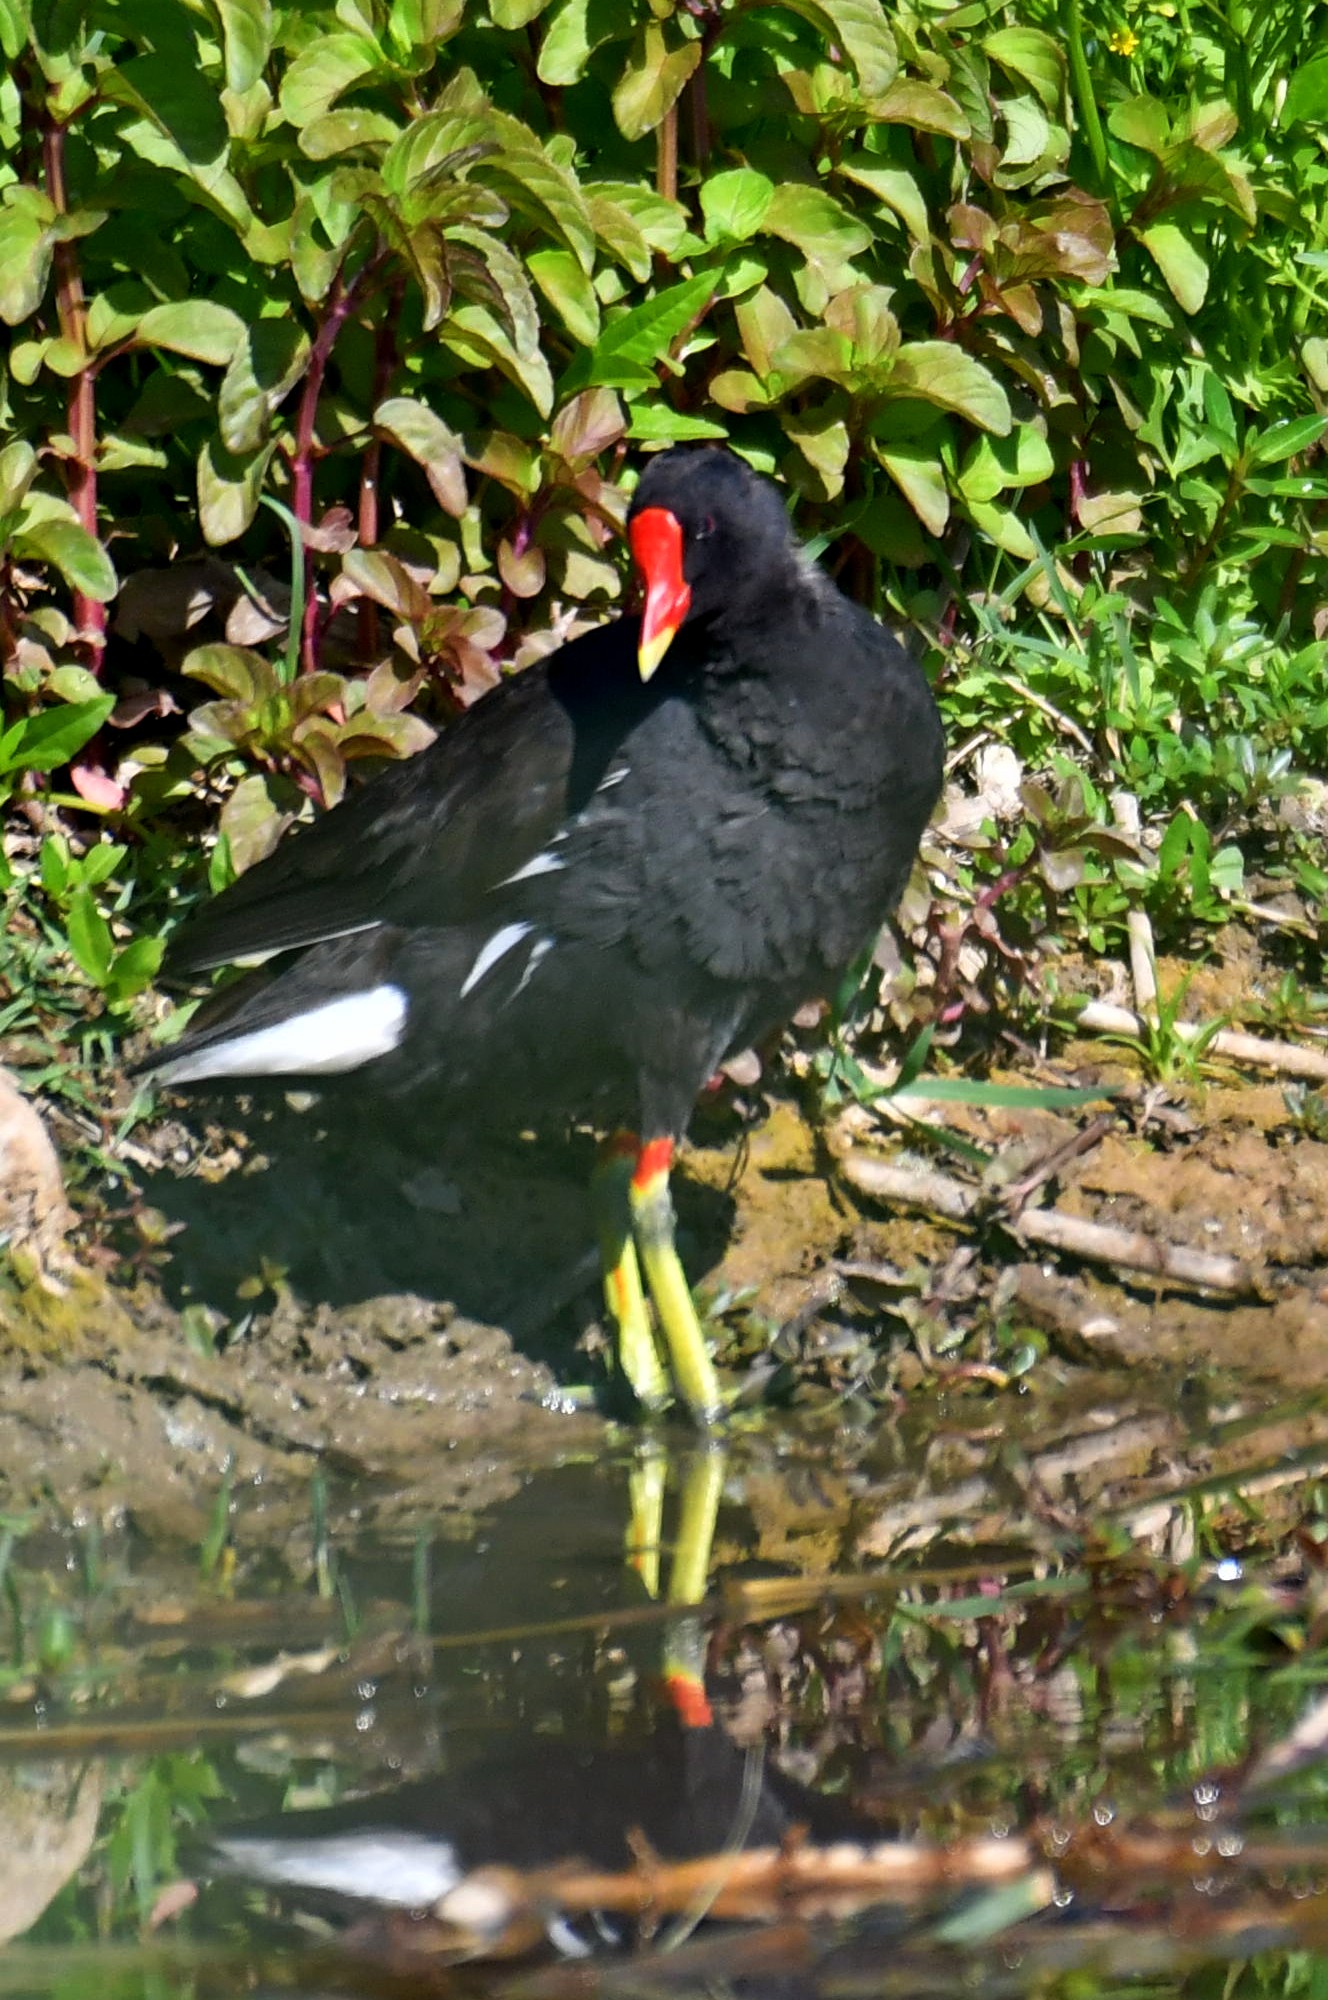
[(1004, 1096), (323, 72), (895, 188), (860, 29), (44, 741), (18, 466), (663, 224), (617, 230), (1002, 526), (236, 671), (652, 82), (515, 13), (815, 223), (818, 352), (569, 291), (1307, 93), (228, 490), (737, 389), (424, 24), (79, 556), (251, 822), (380, 576), (764, 324), (474, 333), (416, 430), (196, 327), (734, 204), (1024, 458), (656, 423), (265, 368), (346, 131), (523, 572), (1285, 439), (133, 969), (1142, 122), (25, 252), (992, 1911), (586, 426), (537, 186), (920, 477), (823, 440), (1028, 53), (1180, 261), (246, 27), (571, 36), (179, 100), (938, 372), (629, 350), (313, 264), (89, 934), (924, 108), (14, 27)]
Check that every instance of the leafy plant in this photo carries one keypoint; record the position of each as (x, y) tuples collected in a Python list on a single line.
[(1023, 305)]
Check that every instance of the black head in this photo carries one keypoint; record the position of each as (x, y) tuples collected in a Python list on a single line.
[(709, 535)]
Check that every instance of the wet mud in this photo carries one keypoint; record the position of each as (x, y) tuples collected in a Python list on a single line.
[(316, 1293)]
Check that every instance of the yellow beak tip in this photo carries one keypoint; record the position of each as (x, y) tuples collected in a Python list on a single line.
[(650, 652)]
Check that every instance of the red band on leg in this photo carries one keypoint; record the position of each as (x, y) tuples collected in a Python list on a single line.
[(690, 1704), (652, 1163)]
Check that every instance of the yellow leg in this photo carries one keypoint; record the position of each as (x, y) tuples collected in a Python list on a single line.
[(652, 1223), (689, 1576), (645, 1529), (638, 1350)]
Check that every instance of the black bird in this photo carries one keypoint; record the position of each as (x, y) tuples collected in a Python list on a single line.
[(628, 861), (539, 1803)]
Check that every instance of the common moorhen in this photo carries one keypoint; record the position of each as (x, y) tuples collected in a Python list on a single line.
[(633, 858)]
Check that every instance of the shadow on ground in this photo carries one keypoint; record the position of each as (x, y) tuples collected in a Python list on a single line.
[(344, 1205)]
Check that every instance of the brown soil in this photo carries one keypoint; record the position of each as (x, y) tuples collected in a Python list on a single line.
[(358, 1293)]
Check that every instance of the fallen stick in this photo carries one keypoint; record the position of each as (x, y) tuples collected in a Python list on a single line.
[(1099, 1017), (1050, 1228), (499, 1910), (1138, 929)]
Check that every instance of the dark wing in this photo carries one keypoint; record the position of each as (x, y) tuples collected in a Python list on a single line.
[(424, 842)]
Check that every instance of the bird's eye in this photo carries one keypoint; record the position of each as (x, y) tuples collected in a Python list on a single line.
[(704, 528)]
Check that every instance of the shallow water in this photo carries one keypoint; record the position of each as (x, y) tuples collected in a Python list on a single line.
[(1081, 1624)]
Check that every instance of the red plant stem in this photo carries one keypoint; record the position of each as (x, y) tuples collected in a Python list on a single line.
[(385, 361), (340, 300), (952, 937), (81, 470), (666, 154)]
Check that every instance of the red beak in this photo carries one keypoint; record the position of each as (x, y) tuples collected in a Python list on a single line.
[(656, 539)]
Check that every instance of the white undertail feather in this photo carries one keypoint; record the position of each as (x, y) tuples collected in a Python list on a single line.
[(406, 1870), (336, 1035)]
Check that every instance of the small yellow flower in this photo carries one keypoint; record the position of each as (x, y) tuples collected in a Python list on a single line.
[(1123, 43)]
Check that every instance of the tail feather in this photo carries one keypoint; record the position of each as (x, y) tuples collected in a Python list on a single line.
[(335, 1008)]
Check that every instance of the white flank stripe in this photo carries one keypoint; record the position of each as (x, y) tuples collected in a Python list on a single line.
[(612, 778), (539, 950), (407, 1870), (341, 1034), (544, 863), (501, 941)]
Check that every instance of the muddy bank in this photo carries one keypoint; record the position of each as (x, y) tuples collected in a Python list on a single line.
[(409, 1310)]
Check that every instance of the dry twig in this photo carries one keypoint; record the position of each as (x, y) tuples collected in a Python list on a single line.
[(1099, 1017), (1051, 1228)]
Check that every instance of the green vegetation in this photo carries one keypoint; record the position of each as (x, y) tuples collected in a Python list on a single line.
[(1024, 302)]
